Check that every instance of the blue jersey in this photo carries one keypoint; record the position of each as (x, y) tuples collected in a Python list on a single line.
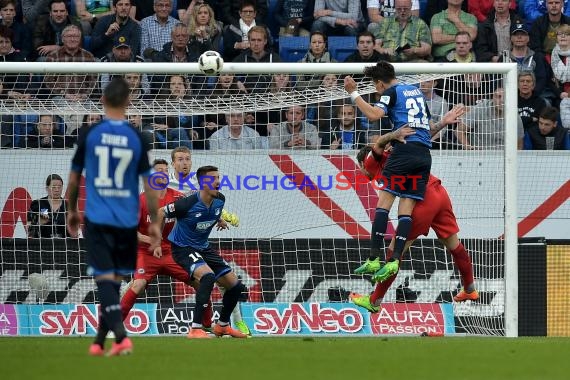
[(194, 220), (113, 154), (406, 105)]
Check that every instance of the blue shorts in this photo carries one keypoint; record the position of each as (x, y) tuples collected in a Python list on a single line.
[(407, 170), (190, 259), (110, 249)]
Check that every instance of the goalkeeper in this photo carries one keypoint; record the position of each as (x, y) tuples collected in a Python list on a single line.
[(434, 211), (196, 215), (182, 165), (148, 265)]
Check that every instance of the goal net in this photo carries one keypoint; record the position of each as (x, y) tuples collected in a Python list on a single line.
[(285, 138)]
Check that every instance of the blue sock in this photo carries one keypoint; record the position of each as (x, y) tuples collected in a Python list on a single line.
[(402, 232), (102, 330), (230, 301), (379, 227), (203, 296), (111, 308)]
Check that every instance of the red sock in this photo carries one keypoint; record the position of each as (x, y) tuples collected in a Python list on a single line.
[(382, 287), (207, 315), (463, 263), (127, 302)]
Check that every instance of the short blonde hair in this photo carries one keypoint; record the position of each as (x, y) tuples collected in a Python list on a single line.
[(180, 149), (564, 29)]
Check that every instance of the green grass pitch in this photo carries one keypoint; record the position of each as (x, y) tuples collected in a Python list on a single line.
[(291, 359)]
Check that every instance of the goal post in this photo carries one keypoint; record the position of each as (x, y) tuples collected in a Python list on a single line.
[(296, 257)]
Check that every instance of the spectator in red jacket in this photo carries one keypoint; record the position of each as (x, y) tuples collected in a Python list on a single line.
[(482, 8)]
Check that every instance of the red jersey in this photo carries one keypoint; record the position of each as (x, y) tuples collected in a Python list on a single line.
[(434, 211), (374, 164), (144, 220)]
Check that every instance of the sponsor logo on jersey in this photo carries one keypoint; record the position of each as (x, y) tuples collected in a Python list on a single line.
[(201, 226), (170, 207), (385, 99), (141, 270), (217, 211), (198, 215)]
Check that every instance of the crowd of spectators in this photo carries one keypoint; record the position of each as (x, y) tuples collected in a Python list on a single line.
[(534, 34)]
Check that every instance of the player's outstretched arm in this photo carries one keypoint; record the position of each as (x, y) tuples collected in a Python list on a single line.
[(222, 225), (399, 135), (451, 117), (142, 238), (371, 112), (156, 249), (154, 229), (73, 218)]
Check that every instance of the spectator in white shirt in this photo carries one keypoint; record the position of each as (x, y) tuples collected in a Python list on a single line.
[(235, 135)]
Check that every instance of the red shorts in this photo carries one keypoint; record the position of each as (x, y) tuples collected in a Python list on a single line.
[(434, 211), (148, 267)]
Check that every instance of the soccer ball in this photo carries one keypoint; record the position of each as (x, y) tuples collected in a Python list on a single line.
[(210, 62), (39, 284)]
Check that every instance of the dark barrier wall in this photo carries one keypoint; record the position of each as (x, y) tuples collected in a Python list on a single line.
[(291, 271), (532, 287)]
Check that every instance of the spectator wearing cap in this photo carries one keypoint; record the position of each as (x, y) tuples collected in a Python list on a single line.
[(109, 27), (123, 52), (529, 61), (46, 36), (494, 34)]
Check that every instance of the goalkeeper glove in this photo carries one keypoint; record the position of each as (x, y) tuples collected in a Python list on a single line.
[(230, 217)]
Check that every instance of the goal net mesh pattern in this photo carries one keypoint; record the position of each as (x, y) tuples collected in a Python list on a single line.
[(297, 245)]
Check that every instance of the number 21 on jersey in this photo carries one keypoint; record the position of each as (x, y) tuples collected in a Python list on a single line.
[(105, 154), (417, 113)]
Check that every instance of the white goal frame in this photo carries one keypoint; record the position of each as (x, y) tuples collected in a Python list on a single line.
[(509, 70)]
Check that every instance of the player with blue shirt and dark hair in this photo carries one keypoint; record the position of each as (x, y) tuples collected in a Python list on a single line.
[(196, 215), (408, 168), (113, 155)]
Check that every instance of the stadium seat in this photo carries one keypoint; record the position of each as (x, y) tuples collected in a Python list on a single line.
[(271, 22), (174, 12), (423, 5), (87, 43), (292, 49), (220, 47), (71, 8), (341, 47)]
